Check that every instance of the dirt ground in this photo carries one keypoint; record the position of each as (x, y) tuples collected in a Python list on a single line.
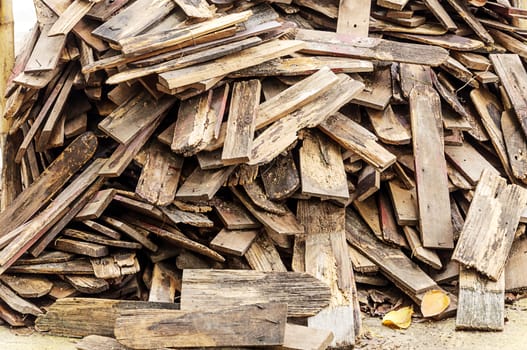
[(420, 336)]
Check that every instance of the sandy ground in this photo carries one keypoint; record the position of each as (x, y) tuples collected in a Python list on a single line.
[(420, 336)]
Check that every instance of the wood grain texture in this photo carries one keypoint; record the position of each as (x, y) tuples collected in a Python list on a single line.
[(516, 146), (481, 302), (432, 186), (468, 161), (304, 294), (189, 329), (354, 17), (486, 239), (281, 178), (203, 184), (263, 256), (69, 18)]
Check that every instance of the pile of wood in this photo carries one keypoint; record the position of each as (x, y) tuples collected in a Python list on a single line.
[(233, 173)]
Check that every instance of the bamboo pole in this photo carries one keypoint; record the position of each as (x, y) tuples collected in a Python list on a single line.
[(7, 58)]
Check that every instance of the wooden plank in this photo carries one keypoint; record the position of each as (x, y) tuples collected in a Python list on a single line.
[(390, 230), (176, 216), (46, 53), (392, 262), (159, 178), (515, 280), (286, 223), (81, 248), (163, 286), (441, 14), (28, 286), (130, 231), (96, 205), (241, 122), (129, 119), (361, 263), (481, 302), (69, 18), (102, 10), (203, 184), (516, 145), (234, 242), (322, 171), (294, 97), (327, 43), (243, 59), (88, 284), (513, 78), (101, 240), (465, 13), (468, 161), (17, 303), (220, 289), (298, 337), (369, 211), (281, 178), (393, 4), (187, 329), (141, 13), (327, 258), (423, 254), (389, 126), (354, 17), (432, 187), (196, 9), (368, 182), (279, 136), (79, 317), (263, 256), (98, 227), (115, 266), (490, 225), (378, 89), (234, 216), (49, 182), (446, 41), (77, 267)]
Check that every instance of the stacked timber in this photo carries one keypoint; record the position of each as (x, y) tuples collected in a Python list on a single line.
[(238, 174)]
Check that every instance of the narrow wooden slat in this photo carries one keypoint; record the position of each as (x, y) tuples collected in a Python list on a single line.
[(354, 17), (69, 18)]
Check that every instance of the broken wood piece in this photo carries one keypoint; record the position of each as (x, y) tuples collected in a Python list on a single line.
[(163, 287), (88, 284), (96, 205), (404, 204), (28, 286), (234, 242), (389, 127), (17, 303), (82, 248), (432, 187), (368, 182), (468, 161), (304, 294), (69, 18), (203, 184), (280, 178), (263, 256), (490, 225), (515, 144), (235, 216), (130, 231), (149, 329), (425, 255), (299, 337), (354, 17)]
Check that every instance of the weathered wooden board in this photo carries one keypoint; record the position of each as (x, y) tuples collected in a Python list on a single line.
[(163, 285), (17, 303), (481, 304), (249, 325), (404, 203), (468, 161), (516, 146), (234, 216), (47, 51), (220, 289), (28, 286), (79, 317), (389, 127), (354, 17), (69, 18), (327, 258), (203, 184), (441, 14), (280, 178), (263, 256), (432, 186), (490, 225), (515, 279), (96, 205)]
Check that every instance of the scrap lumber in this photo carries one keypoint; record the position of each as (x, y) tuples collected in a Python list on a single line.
[(221, 289), (486, 239), (514, 278)]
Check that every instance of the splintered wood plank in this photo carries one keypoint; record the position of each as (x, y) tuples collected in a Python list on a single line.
[(352, 136), (142, 14), (388, 126), (163, 287), (17, 303), (462, 9), (404, 203), (285, 223), (249, 325), (432, 186), (101, 240), (327, 258), (219, 289), (115, 266), (490, 110), (77, 267), (490, 225), (46, 53), (82, 248), (300, 337), (468, 161), (28, 286), (203, 184), (281, 178), (243, 59), (132, 232), (235, 242), (354, 17), (368, 182), (441, 14), (88, 284), (103, 10), (129, 119), (369, 211), (423, 254), (392, 4), (392, 261), (281, 134), (49, 182), (516, 146), (333, 44), (160, 175), (321, 168), (390, 230), (177, 216), (412, 75), (515, 279), (513, 77), (481, 304), (263, 256), (241, 122), (96, 205), (234, 216), (378, 91), (294, 97), (69, 18), (79, 317), (447, 41), (361, 263)]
